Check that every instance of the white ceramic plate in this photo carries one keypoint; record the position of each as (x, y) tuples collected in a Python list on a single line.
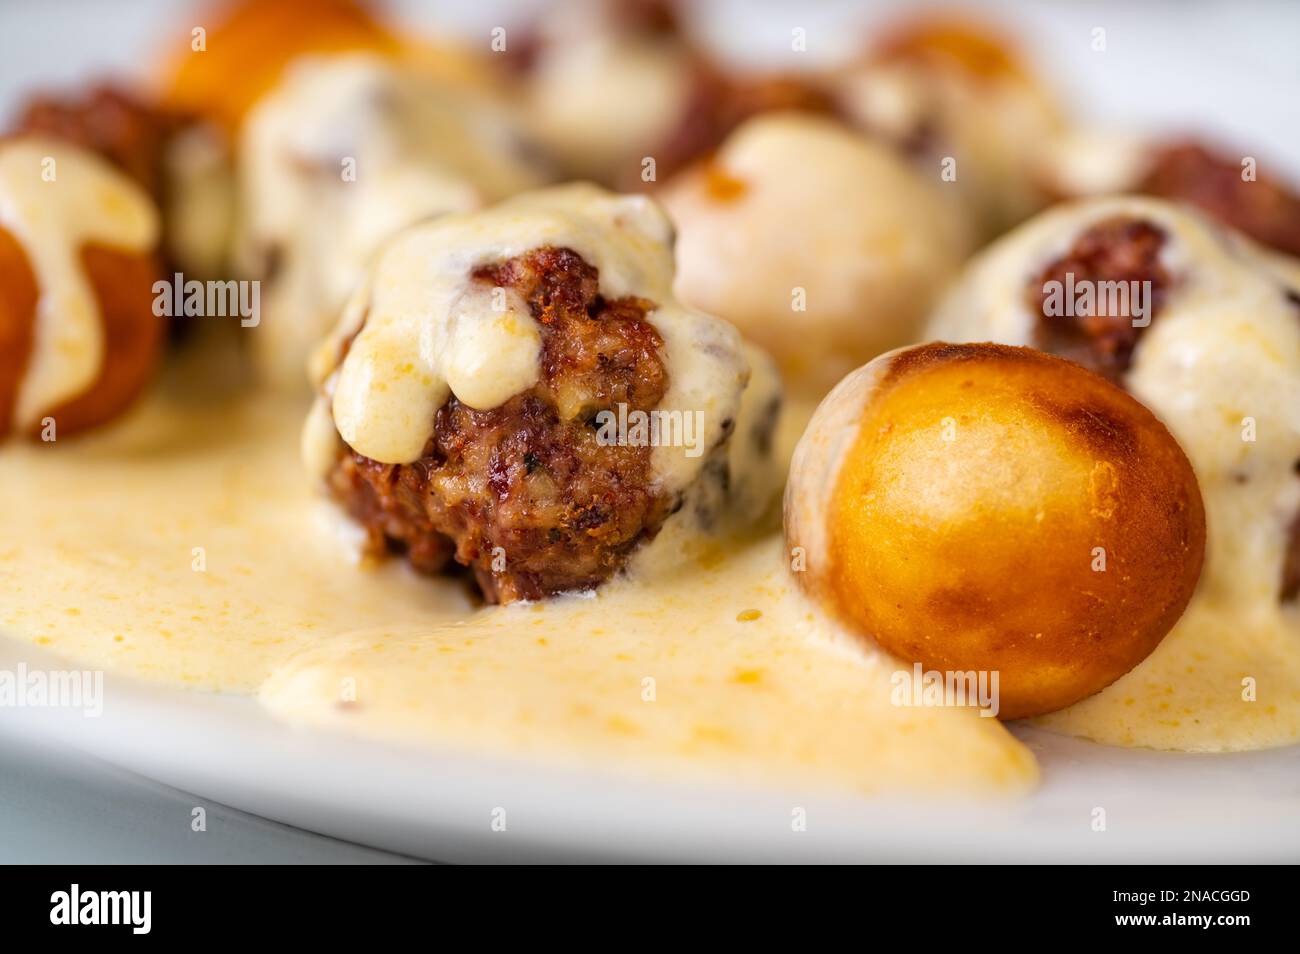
[(442, 805), (1157, 806)]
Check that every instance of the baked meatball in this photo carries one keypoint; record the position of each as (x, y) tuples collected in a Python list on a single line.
[(822, 246), (78, 335), (995, 509), (344, 152), (518, 390), (1198, 323)]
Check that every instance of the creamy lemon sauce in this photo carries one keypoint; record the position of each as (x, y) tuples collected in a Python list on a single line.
[(703, 663), (54, 199), (1220, 366), (430, 331)]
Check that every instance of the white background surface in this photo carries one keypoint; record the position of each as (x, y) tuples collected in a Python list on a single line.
[(1229, 69)]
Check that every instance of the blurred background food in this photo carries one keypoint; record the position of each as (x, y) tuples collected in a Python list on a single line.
[(828, 167)]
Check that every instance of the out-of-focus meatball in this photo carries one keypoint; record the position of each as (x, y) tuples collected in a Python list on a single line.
[(484, 405), (79, 339), (184, 165), (612, 83), (719, 102), (1263, 208), (605, 83), (112, 122), (247, 44)]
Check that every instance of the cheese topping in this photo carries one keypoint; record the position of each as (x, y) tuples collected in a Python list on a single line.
[(55, 199), (431, 332)]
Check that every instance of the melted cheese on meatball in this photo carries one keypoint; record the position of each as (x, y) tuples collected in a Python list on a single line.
[(428, 331), (54, 199)]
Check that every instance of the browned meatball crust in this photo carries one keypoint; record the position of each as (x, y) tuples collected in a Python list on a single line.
[(1119, 249), (525, 494)]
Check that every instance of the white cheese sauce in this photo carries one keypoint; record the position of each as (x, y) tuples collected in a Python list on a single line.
[(203, 558)]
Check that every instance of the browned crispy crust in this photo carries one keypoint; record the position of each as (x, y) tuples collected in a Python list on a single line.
[(18, 298), (993, 568), (1119, 249), (525, 494), (123, 286)]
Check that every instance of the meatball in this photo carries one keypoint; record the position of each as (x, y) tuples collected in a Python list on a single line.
[(605, 82), (981, 507), (1092, 161), (583, 63), (526, 492), (718, 103), (1102, 337), (248, 44), (518, 388), (183, 165), (52, 364), (18, 298)]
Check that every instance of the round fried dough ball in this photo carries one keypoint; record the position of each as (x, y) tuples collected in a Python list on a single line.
[(990, 508)]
